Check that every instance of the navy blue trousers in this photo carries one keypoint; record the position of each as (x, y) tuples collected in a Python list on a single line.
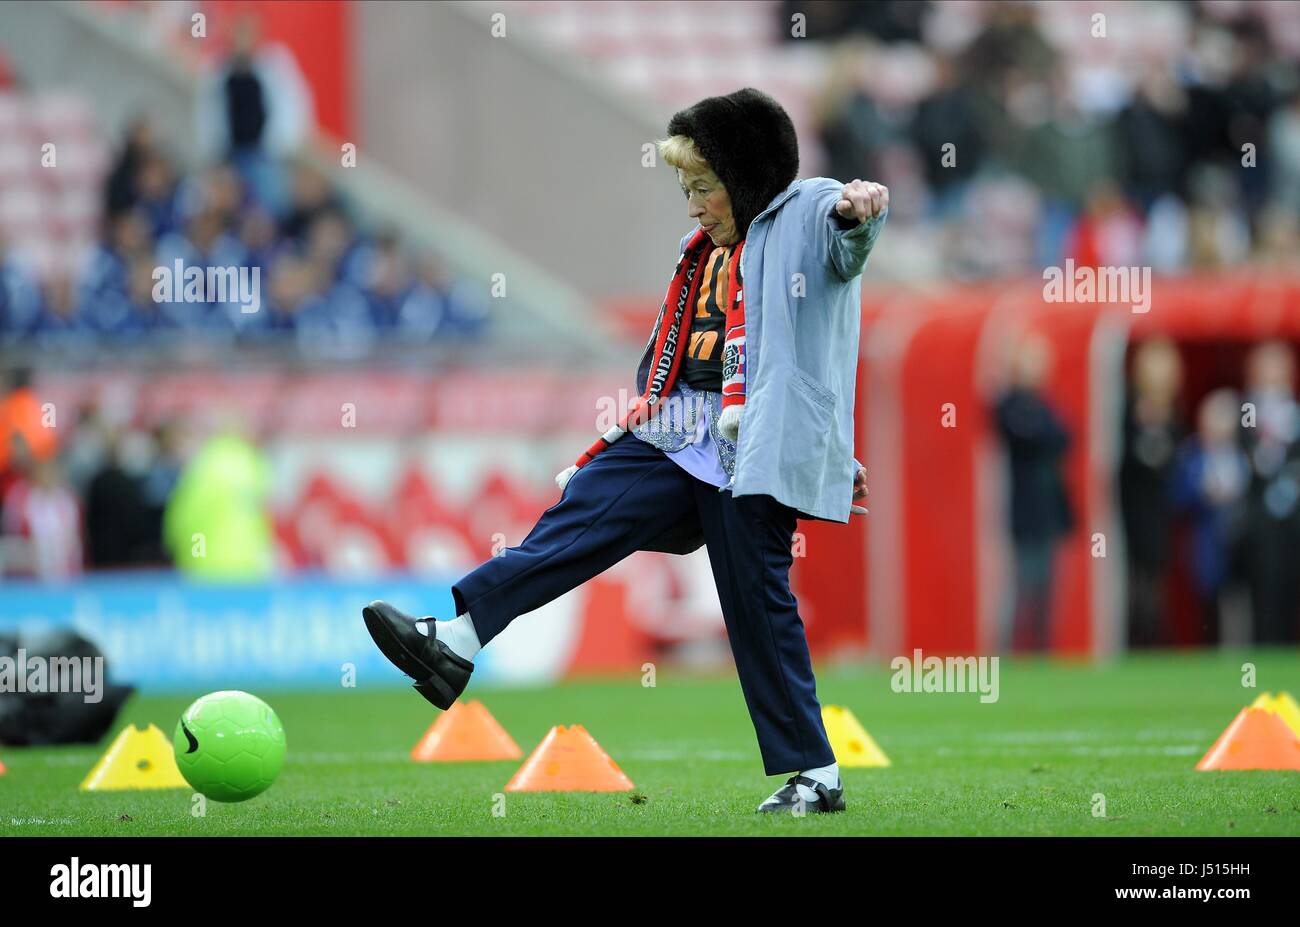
[(613, 506)]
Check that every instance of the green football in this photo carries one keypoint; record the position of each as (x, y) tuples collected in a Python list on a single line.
[(229, 746)]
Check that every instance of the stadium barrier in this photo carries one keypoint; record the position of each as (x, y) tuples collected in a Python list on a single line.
[(164, 633)]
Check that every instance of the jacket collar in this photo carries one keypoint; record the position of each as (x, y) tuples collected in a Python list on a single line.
[(778, 200)]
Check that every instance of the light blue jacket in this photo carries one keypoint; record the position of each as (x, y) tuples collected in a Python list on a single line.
[(803, 293)]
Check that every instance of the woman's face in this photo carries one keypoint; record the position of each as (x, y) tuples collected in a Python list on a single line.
[(708, 203)]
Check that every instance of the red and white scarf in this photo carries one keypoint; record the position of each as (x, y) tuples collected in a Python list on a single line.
[(666, 361)]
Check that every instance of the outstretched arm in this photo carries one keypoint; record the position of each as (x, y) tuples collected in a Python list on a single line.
[(853, 218)]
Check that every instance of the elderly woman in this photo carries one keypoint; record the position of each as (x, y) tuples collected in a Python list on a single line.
[(743, 424)]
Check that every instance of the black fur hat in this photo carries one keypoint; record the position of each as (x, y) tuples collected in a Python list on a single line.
[(749, 141)]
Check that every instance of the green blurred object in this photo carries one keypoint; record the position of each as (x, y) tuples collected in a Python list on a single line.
[(216, 525)]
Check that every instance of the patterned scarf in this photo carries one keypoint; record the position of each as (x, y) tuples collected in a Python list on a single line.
[(666, 361)]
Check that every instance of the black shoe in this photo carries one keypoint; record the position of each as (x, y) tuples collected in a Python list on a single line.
[(440, 675), (786, 800)]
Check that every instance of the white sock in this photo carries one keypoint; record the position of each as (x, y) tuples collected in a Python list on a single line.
[(828, 776), (458, 634)]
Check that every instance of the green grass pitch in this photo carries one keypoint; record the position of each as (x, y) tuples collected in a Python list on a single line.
[(1031, 763)]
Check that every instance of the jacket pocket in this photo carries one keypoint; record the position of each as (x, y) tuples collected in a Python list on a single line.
[(809, 415), (813, 390)]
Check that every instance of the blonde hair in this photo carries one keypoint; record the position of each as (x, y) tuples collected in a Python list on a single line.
[(681, 152)]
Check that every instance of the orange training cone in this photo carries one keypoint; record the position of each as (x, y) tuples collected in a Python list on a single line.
[(463, 733), (1256, 739), (569, 760), (2, 768), (1282, 705)]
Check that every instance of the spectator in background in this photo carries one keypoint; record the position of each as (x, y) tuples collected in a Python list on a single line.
[(854, 127), (1209, 484), (121, 191), (292, 283), (1278, 241), (1064, 150), (1284, 143), (216, 523), (1153, 432), (148, 311), (465, 303), (85, 450), (423, 310), (255, 111), (334, 323), (218, 190), (156, 195), (1218, 233), (1036, 441), (1252, 94), (118, 523), (163, 474), (104, 286), (259, 237), (22, 418), (20, 297), (1108, 233), (60, 324), (1010, 47), (948, 115), (332, 243), (205, 244), (1271, 436), (41, 513), (887, 20), (142, 182), (384, 269), (311, 196), (1151, 142)]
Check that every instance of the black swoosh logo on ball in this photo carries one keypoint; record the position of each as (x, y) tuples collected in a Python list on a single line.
[(194, 744)]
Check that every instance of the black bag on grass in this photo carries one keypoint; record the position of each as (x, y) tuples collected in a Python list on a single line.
[(47, 718)]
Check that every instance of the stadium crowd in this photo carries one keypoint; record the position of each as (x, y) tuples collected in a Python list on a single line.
[(1208, 488), (1011, 143), (1214, 493), (322, 283), (1183, 157), (92, 496)]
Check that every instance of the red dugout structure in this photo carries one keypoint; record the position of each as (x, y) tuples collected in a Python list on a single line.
[(929, 567)]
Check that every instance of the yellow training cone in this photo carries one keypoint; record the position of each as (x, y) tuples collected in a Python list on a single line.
[(852, 745), (1282, 705), (138, 759), (1288, 710)]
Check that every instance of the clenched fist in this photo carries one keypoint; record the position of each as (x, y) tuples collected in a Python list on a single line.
[(862, 200)]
